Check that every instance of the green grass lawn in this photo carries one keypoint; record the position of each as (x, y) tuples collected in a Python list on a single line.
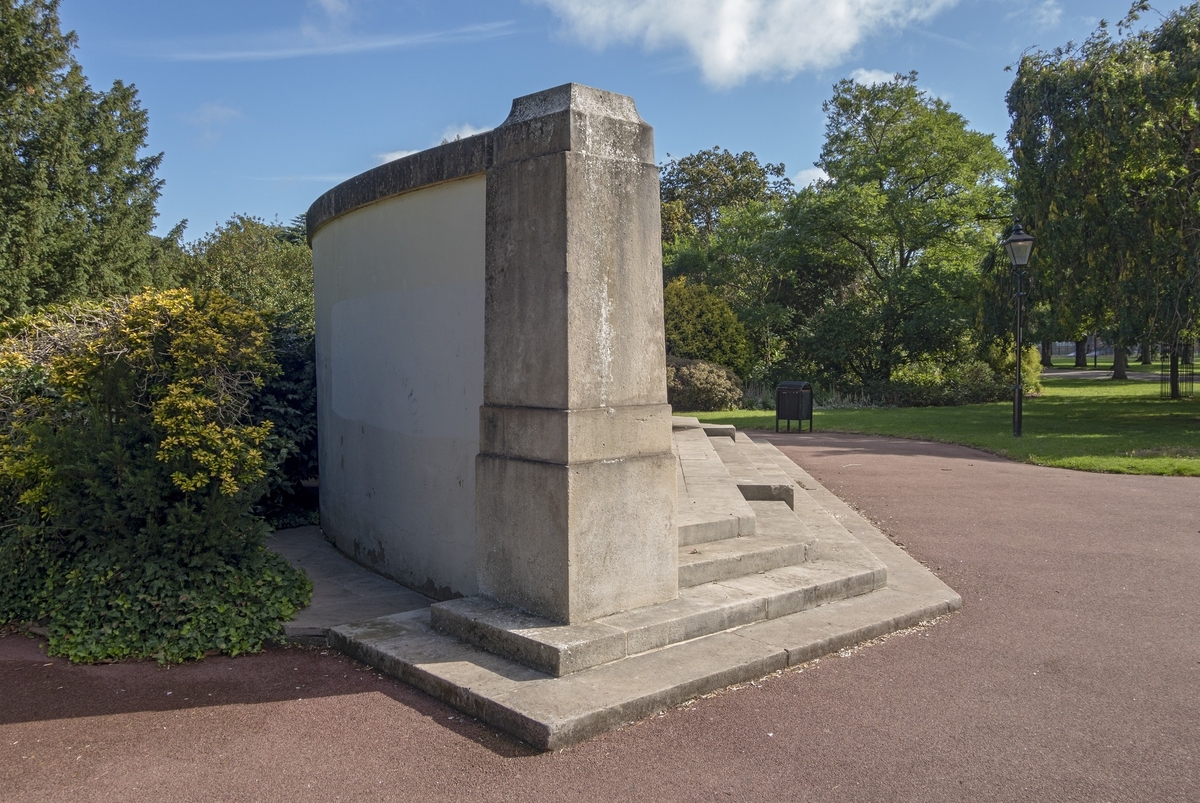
[(1105, 363), (1086, 424)]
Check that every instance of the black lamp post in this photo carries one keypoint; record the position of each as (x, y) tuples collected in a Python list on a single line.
[(1018, 246)]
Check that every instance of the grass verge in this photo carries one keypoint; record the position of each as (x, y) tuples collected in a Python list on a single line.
[(1085, 424)]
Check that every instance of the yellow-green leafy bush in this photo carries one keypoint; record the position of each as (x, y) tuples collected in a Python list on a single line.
[(130, 459)]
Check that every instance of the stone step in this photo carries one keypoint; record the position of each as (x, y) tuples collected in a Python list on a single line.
[(554, 712), (781, 539), (709, 505), (558, 649), (846, 569), (757, 478), (601, 674)]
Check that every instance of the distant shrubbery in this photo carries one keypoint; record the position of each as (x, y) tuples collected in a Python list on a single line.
[(133, 448), (696, 386), (929, 384)]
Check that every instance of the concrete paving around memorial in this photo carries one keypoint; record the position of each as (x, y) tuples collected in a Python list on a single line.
[(1070, 674)]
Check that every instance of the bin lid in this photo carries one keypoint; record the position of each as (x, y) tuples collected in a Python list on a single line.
[(794, 386)]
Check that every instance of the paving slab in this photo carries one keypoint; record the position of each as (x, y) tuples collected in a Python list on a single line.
[(343, 591)]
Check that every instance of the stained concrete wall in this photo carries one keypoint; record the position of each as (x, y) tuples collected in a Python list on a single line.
[(491, 379), (400, 343)]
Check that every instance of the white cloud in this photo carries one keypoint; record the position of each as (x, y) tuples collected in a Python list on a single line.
[(732, 40), (212, 114), (871, 77), (392, 156), (334, 8), (461, 132), (809, 175), (211, 119), (450, 134)]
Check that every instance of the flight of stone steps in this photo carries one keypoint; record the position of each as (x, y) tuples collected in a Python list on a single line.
[(769, 576)]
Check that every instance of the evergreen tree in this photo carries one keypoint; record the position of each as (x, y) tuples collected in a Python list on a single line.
[(77, 202)]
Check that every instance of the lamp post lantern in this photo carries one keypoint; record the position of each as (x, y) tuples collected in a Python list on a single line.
[(1018, 246)]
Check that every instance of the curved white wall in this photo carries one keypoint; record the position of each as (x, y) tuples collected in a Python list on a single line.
[(400, 317)]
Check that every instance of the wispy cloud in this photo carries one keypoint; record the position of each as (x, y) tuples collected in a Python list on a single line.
[(333, 8), (461, 132), (949, 40), (733, 40), (871, 77), (1041, 13), (450, 134), (326, 179), (312, 41), (210, 119), (391, 156)]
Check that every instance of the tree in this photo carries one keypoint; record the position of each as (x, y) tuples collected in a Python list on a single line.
[(697, 187), (908, 213), (1106, 142), (259, 264), (700, 325), (77, 202)]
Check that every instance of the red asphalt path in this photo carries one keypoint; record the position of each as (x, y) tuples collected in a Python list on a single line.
[(1072, 673)]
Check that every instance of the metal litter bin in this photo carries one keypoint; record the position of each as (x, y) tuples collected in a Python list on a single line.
[(794, 402)]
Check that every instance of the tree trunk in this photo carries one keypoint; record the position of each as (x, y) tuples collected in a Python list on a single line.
[(1120, 362), (1144, 357), (1096, 350), (1047, 354), (1175, 371), (1081, 353)]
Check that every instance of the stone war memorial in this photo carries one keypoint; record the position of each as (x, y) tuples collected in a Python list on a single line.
[(495, 434)]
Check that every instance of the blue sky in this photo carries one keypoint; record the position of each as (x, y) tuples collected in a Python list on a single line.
[(261, 106)]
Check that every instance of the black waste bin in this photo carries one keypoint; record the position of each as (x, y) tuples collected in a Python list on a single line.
[(794, 402)]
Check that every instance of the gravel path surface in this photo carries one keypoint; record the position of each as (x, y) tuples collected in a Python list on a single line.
[(1072, 673)]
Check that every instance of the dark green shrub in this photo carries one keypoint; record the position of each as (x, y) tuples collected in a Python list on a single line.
[(289, 401), (696, 386), (700, 325), (130, 459)]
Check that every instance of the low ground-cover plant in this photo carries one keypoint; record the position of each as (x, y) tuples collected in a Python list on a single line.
[(132, 452)]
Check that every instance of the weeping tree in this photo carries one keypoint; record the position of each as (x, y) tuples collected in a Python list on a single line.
[(1106, 144)]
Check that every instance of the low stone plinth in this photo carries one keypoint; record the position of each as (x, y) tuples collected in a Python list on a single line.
[(552, 685)]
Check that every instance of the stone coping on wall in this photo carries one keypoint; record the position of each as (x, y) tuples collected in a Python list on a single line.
[(447, 162), (525, 129)]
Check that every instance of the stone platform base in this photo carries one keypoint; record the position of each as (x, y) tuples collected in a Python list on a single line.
[(781, 572)]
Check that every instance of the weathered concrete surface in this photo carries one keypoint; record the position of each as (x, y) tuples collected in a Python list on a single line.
[(399, 313), (749, 605), (575, 480), (343, 591)]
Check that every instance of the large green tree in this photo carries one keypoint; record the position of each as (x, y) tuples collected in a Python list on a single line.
[(910, 209), (1106, 142), (77, 200), (695, 188)]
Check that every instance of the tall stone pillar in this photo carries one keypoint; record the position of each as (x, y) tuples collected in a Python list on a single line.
[(575, 481)]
